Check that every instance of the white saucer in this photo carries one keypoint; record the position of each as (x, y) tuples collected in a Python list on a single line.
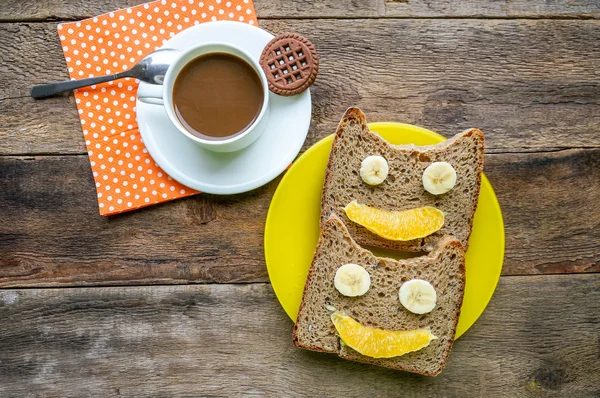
[(227, 173)]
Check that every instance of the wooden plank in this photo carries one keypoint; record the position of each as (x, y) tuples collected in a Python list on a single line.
[(549, 202), (528, 85), (538, 337), (31, 10), (51, 233), (50, 126), (493, 9)]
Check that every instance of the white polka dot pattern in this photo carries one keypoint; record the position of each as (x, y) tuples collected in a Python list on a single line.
[(125, 174)]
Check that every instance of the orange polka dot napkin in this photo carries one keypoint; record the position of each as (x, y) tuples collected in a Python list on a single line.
[(126, 176)]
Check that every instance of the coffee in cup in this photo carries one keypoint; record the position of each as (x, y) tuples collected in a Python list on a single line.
[(216, 94)]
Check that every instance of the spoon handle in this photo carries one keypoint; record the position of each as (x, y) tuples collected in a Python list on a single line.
[(48, 90)]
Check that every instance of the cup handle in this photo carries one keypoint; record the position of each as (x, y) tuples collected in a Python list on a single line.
[(151, 94)]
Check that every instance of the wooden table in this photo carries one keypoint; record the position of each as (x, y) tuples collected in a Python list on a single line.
[(175, 299)]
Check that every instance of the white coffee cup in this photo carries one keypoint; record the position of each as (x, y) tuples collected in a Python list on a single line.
[(163, 95)]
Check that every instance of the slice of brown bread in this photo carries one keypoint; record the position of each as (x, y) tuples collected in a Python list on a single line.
[(380, 307), (403, 188)]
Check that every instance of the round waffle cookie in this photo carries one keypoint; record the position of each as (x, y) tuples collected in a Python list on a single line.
[(291, 64)]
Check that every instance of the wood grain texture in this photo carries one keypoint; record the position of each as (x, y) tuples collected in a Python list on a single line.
[(493, 9), (549, 203), (51, 233), (529, 85), (536, 338), (32, 10)]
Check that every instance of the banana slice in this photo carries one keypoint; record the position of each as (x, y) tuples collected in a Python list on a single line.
[(418, 296), (352, 280), (374, 169), (439, 178)]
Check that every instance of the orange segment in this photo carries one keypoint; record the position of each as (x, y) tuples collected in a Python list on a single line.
[(396, 225), (379, 343)]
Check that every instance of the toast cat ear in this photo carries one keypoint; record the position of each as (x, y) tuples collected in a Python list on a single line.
[(333, 216), (355, 115), (335, 223), (352, 116)]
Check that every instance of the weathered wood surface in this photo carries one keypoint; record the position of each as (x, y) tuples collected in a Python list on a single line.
[(538, 337), (532, 84), (549, 203), (32, 10), (529, 85), (51, 233)]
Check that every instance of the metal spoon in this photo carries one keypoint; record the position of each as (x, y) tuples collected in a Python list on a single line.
[(151, 69)]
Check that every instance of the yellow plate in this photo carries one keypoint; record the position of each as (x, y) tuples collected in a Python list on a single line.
[(292, 227)]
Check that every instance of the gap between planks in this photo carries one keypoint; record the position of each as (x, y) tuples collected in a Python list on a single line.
[(239, 284), (521, 151), (325, 18)]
